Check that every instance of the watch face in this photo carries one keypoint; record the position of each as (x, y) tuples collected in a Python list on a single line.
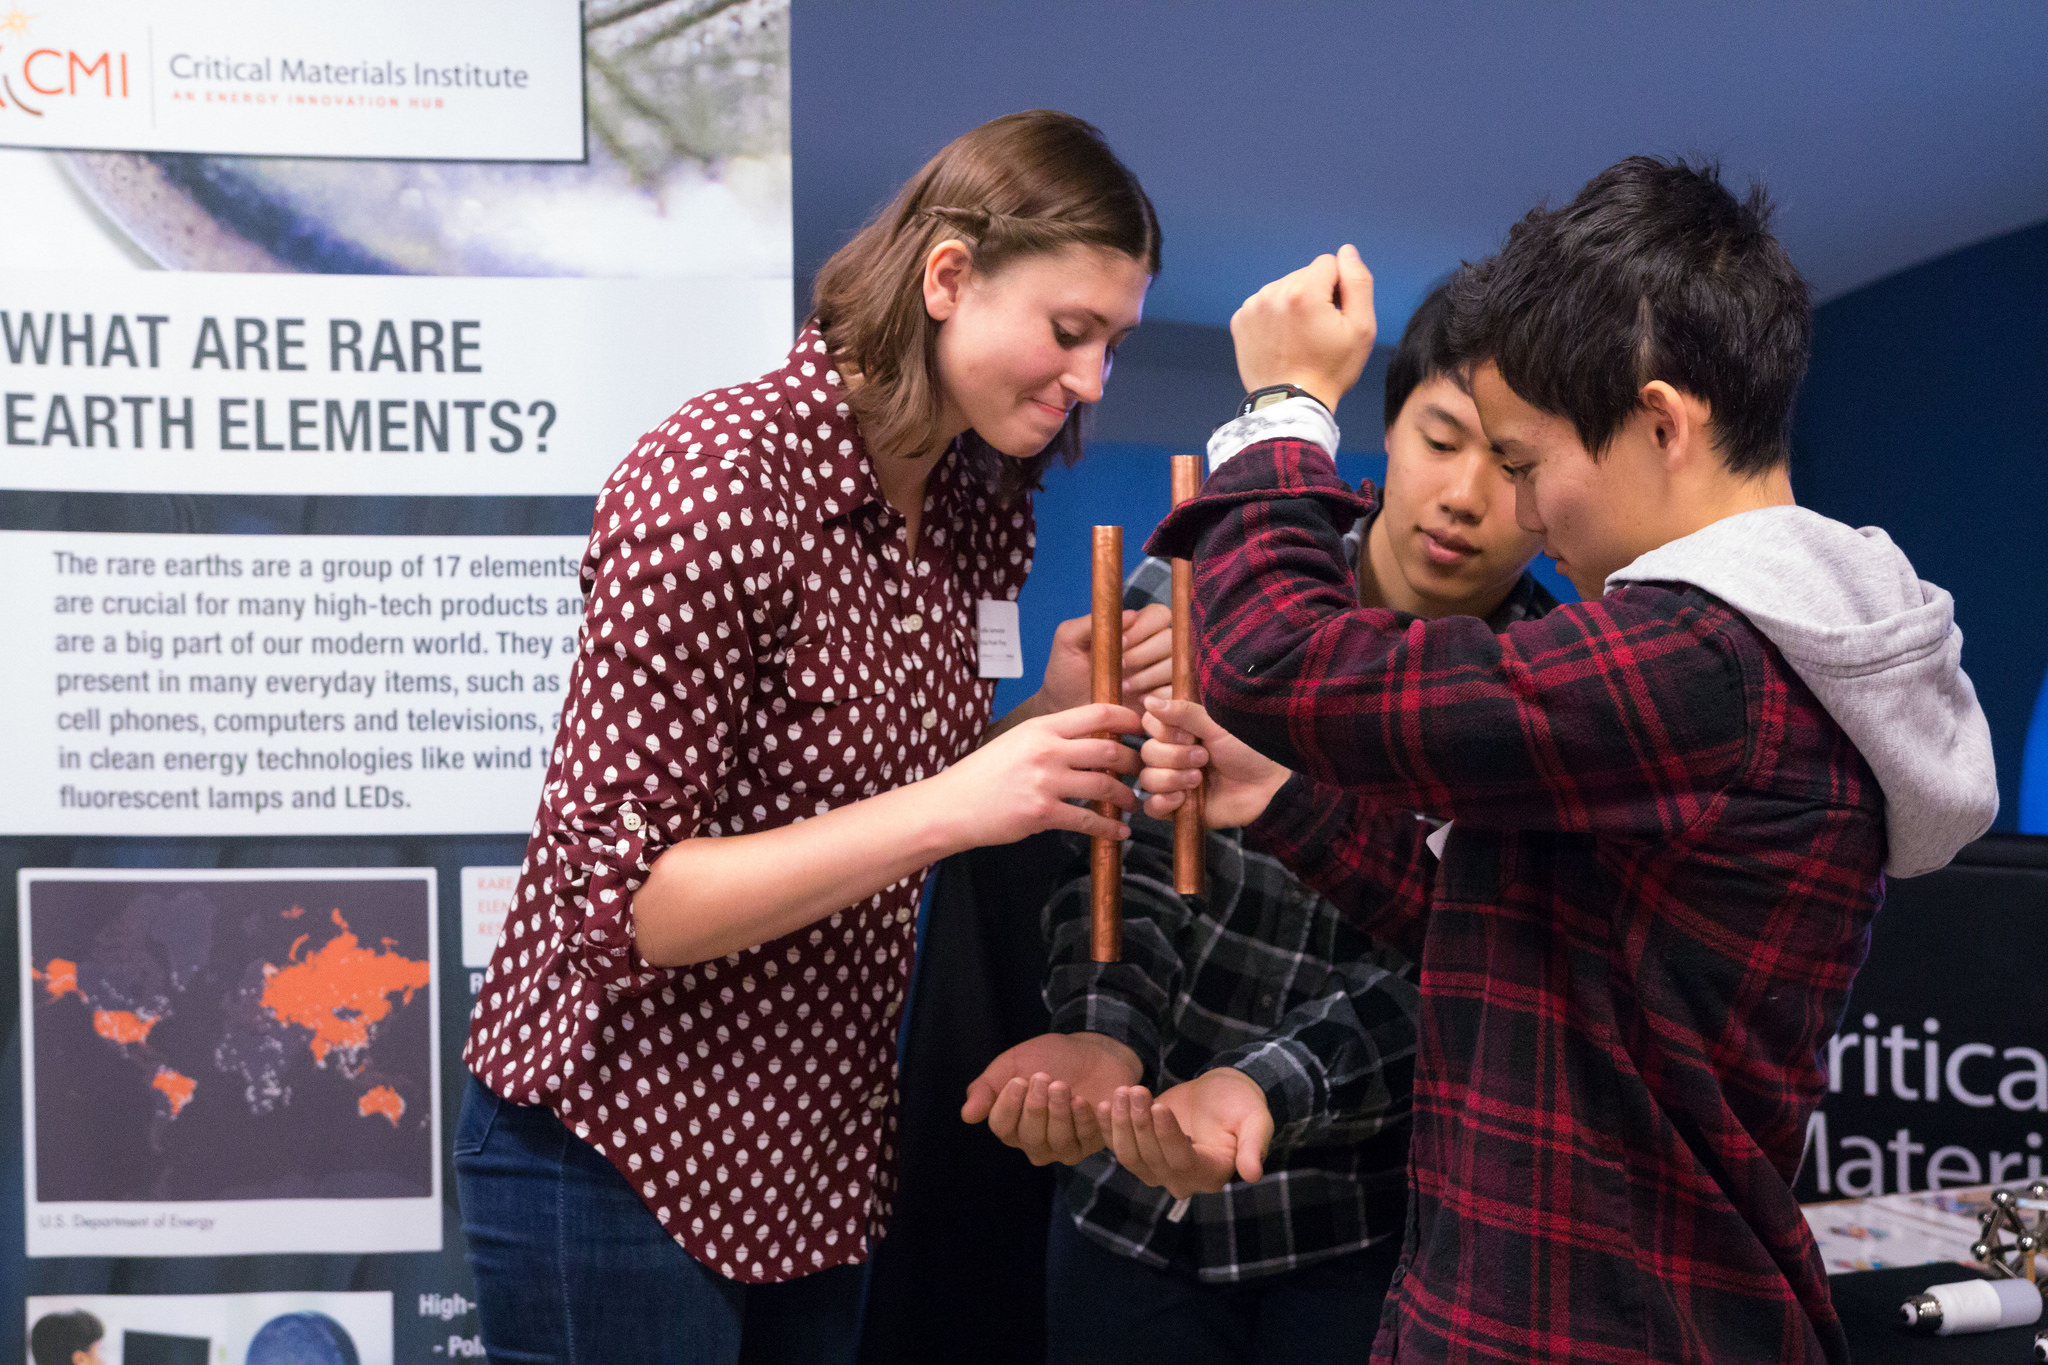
[(1266, 397)]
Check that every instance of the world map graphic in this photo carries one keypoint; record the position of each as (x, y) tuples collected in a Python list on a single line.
[(259, 1039)]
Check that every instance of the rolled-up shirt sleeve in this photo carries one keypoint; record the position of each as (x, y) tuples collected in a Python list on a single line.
[(1340, 1067), (1131, 999), (686, 590)]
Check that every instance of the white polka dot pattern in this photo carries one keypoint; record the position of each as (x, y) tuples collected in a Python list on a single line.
[(758, 646)]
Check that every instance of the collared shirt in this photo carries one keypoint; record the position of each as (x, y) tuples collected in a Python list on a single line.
[(1262, 974), (1660, 884), (759, 646)]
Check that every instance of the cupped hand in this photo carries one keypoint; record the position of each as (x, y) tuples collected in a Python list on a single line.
[(1148, 660), (1186, 746), (1194, 1138), (1023, 781), (1040, 1095), (1313, 328)]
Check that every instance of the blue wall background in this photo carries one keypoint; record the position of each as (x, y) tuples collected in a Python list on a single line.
[(1926, 409), (1926, 413)]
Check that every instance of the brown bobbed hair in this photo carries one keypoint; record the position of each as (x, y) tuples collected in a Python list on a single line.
[(1016, 186)]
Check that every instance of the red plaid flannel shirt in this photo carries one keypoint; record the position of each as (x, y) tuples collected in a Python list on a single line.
[(1660, 884)]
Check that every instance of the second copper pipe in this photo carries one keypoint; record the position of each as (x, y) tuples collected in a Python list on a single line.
[(1106, 628), (1188, 834)]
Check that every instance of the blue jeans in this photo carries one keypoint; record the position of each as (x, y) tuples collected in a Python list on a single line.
[(571, 1268), (1105, 1309)]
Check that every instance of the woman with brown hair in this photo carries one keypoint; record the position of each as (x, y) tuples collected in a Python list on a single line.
[(676, 1144)]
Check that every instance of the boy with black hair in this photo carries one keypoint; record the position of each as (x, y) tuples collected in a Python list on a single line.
[(1265, 1018), (1674, 803)]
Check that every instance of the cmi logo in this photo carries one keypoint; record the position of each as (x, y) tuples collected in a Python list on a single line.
[(33, 80)]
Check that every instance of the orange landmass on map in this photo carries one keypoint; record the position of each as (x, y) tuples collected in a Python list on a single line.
[(60, 978), (122, 1026), (177, 1088), (382, 1099), (339, 990)]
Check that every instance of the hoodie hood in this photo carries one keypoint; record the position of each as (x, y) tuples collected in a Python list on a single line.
[(1878, 647)]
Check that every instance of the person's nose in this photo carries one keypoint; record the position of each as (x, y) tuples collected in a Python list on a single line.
[(1526, 515), (1463, 494), (1086, 376)]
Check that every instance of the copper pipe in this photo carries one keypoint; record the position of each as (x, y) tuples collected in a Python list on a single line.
[(1188, 835), (1106, 868)]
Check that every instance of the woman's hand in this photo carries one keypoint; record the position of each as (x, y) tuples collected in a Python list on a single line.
[(1185, 746), (706, 897), (1195, 1137), (1023, 781), (1069, 669), (1040, 1095)]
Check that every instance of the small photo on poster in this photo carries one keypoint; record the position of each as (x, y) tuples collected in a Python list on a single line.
[(212, 1329), (230, 1062)]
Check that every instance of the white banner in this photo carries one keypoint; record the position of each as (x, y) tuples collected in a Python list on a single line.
[(463, 80), (384, 267), (187, 382), (247, 685)]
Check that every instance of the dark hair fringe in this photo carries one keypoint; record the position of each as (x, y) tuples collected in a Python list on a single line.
[(1653, 271), (1424, 352)]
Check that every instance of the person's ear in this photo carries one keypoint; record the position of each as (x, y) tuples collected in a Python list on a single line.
[(947, 268), (1675, 422)]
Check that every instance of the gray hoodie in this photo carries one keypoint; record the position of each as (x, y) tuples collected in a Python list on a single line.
[(1878, 647)]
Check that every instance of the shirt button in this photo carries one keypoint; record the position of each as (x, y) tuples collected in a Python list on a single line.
[(912, 622), (877, 1100), (631, 819), (931, 718)]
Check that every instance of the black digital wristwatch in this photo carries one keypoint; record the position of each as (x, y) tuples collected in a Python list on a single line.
[(1274, 393)]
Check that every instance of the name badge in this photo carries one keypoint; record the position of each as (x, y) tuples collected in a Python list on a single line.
[(999, 639)]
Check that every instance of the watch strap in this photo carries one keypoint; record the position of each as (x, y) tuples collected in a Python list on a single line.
[(1271, 394), (1299, 419)]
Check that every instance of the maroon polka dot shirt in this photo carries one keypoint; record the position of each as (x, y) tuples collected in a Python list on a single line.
[(759, 646)]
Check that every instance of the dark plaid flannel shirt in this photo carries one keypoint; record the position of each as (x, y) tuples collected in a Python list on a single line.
[(1264, 976), (1659, 886)]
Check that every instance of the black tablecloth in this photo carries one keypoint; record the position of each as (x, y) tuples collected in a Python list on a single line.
[(1869, 1305), (961, 1275)]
